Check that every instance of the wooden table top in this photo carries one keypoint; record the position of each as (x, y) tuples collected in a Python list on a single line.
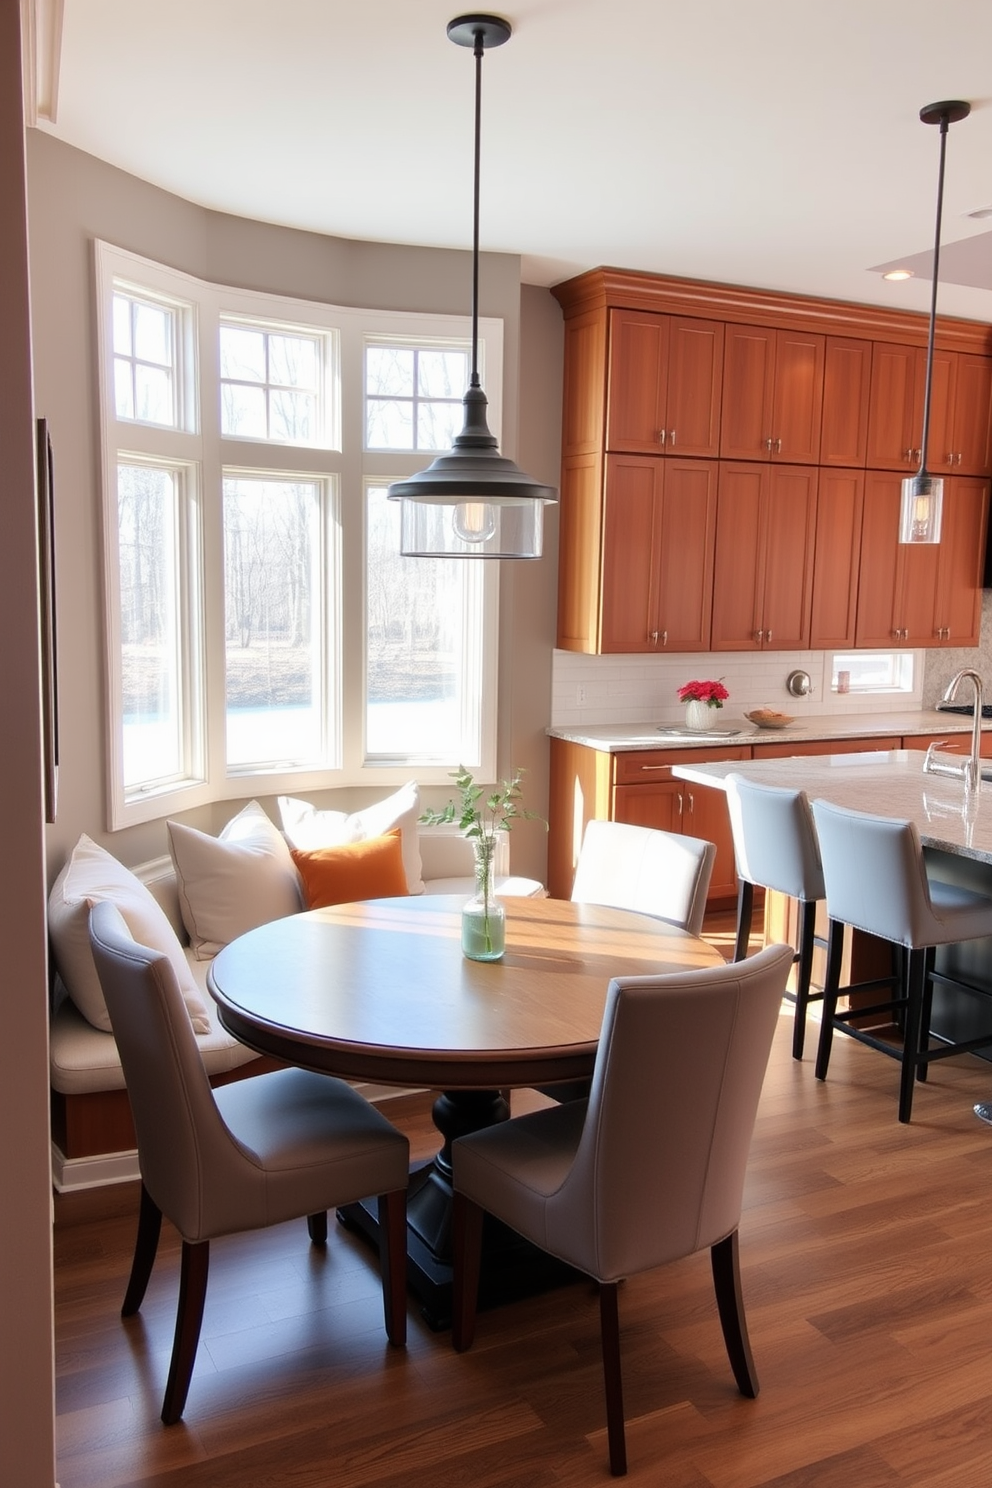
[(381, 990)]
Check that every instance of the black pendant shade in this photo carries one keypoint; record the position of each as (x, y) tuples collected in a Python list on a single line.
[(473, 502)]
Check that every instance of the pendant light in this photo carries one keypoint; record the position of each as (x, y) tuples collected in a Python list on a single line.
[(473, 502), (923, 493)]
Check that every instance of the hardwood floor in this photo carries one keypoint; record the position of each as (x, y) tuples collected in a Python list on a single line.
[(867, 1269)]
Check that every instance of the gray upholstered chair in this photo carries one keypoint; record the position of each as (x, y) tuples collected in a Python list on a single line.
[(876, 880), (651, 1167), (257, 1152), (775, 847), (642, 868)]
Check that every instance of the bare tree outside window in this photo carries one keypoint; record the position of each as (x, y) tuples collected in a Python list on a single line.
[(273, 644), (147, 535)]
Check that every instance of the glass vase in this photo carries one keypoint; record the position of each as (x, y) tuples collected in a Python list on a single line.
[(483, 916), (697, 715)]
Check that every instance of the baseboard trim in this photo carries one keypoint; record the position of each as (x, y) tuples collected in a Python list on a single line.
[(70, 1174)]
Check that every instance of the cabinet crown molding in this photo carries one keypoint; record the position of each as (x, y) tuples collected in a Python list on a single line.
[(609, 288)]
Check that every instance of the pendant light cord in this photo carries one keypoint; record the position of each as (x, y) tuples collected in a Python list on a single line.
[(944, 121), (478, 53)]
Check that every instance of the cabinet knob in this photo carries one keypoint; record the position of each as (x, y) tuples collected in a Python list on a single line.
[(664, 637), (671, 439), (768, 636), (678, 799), (957, 458), (778, 446), (653, 637), (662, 435), (907, 455), (759, 636), (768, 444)]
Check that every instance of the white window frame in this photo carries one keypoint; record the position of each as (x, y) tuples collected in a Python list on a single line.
[(342, 462)]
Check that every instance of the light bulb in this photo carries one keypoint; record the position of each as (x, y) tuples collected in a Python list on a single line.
[(474, 521)]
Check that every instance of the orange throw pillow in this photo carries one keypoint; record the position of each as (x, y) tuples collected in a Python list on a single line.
[(372, 869)]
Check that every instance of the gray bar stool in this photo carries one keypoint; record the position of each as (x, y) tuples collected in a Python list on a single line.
[(876, 880), (775, 847)]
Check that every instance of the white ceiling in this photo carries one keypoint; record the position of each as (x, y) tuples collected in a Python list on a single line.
[(774, 143)]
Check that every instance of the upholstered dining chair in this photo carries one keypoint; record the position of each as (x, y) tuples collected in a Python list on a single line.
[(645, 869), (775, 847), (650, 1168), (877, 881), (274, 1147)]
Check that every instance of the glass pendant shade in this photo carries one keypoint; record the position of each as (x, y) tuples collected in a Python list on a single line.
[(473, 502), (921, 509)]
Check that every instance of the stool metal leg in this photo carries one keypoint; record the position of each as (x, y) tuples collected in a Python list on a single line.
[(745, 914), (916, 978), (831, 991), (804, 971)]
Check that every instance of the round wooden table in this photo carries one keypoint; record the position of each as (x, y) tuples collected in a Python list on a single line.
[(380, 991)]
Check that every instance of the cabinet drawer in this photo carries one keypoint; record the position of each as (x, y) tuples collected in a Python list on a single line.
[(646, 766), (824, 746)]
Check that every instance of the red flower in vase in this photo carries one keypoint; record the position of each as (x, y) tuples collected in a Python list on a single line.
[(713, 693)]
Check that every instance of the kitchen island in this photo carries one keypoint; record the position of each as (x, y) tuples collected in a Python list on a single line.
[(955, 827)]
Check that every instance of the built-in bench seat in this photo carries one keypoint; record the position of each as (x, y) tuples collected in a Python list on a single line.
[(92, 1133)]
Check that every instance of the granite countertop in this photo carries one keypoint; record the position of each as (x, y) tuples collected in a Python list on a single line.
[(614, 738), (886, 783)]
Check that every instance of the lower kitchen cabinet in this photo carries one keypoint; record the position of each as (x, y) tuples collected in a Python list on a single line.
[(635, 786)]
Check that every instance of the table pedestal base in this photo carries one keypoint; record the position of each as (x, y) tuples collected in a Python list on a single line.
[(511, 1266)]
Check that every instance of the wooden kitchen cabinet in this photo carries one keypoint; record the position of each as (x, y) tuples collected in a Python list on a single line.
[(836, 559), (803, 383), (664, 384), (657, 567), (635, 786), (921, 594), (772, 394), (762, 573), (846, 390)]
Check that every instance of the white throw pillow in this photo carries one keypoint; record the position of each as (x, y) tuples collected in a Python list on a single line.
[(90, 876), (232, 883), (308, 828)]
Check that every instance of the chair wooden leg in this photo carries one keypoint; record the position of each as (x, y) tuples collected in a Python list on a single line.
[(317, 1228), (804, 972), (145, 1248), (609, 1323), (745, 914), (915, 979), (831, 991), (392, 1262), (466, 1260), (725, 1260), (192, 1294)]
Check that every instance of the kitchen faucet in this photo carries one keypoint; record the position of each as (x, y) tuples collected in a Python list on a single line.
[(973, 766)]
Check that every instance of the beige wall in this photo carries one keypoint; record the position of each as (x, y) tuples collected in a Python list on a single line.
[(75, 198), (27, 1450)]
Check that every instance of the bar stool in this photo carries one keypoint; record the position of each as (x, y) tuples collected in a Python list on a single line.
[(876, 881), (775, 847)]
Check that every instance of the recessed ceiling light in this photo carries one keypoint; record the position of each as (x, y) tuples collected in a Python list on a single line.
[(898, 274), (980, 212)]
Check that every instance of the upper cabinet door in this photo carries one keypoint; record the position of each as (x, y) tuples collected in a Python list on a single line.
[(846, 388), (748, 386), (895, 413), (664, 384), (798, 397), (968, 430), (636, 420), (772, 395), (695, 386)]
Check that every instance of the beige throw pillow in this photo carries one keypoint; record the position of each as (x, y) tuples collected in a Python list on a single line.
[(232, 883), (92, 875), (309, 828)]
